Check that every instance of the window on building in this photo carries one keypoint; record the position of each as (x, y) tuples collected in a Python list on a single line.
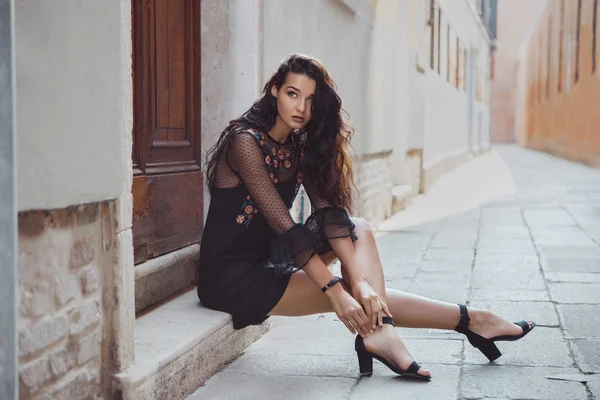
[(439, 40), (431, 28), (540, 72), (560, 45), (569, 60), (577, 38), (458, 63), (549, 57), (431, 17), (595, 36), (448, 53)]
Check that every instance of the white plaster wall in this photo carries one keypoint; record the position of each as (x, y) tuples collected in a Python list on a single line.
[(359, 46), (446, 120), (73, 102), (448, 131), (230, 65)]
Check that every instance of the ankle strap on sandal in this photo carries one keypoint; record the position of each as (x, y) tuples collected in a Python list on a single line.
[(388, 320), (463, 323)]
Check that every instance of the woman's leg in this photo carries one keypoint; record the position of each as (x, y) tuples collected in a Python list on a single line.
[(414, 311), (302, 296)]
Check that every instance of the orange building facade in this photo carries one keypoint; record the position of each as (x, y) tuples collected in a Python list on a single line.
[(558, 99)]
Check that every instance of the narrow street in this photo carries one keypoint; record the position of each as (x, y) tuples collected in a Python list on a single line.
[(514, 231)]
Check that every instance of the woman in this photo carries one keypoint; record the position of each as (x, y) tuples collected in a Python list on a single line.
[(255, 261)]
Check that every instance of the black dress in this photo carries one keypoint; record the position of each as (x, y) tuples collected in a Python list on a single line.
[(251, 245)]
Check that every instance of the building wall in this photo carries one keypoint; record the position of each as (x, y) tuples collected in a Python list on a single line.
[(559, 86), (73, 103), (358, 43), (230, 65), (74, 124), (456, 87), (514, 22)]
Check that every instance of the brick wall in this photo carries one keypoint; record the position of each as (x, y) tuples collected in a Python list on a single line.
[(558, 113), (63, 255), (373, 178)]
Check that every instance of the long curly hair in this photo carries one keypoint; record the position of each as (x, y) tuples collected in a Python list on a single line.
[(327, 161)]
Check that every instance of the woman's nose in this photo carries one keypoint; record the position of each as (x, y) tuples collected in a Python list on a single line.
[(301, 106)]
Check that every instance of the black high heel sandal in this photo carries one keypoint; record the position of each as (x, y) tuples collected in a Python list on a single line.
[(487, 346), (365, 359)]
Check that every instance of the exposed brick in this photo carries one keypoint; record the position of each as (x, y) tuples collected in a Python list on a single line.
[(90, 280), (79, 385), (83, 252), (88, 315), (66, 289), (89, 347), (34, 264), (38, 300), (34, 374), (47, 331), (31, 223), (63, 360)]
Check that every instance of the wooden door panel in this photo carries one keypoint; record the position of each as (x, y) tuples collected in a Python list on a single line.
[(167, 189)]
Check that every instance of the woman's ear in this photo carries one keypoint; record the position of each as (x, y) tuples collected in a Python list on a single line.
[(274, 91)]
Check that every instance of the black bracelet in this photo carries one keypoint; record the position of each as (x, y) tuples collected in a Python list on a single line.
[(331, 283)]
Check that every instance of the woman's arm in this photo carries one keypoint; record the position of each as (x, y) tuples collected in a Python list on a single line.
[(337, 230), (293, 245)]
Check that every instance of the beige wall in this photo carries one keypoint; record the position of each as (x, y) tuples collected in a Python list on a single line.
[(514, 21), (559, 96), (74, 110)]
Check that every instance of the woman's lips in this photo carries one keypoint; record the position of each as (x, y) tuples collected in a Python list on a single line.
[(298, 119)]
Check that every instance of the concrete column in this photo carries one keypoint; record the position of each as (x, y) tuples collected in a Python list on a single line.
[(8, 208)]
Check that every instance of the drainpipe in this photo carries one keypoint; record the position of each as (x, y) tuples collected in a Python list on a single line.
[(8, 207)]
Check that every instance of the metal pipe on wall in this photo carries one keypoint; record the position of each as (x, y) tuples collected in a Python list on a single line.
[(8, 208)]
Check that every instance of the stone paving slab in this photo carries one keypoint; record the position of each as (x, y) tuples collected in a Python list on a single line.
[(507, 279), (441, 290), (265, 362), (509, 295), (570, 251), (572, 264), (519, 383), (545, 348), (573, 293), (446, 266), (587, 354), (506, 262), (581, 277), (594, 388), (384, 385), (450, 254), (579, 320), (241, 386)]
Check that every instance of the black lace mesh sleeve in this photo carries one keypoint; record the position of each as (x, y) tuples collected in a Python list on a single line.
[(327, 221), (293, 244)]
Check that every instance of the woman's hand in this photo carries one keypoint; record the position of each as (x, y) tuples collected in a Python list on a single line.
[(348, 310), (372, 304)]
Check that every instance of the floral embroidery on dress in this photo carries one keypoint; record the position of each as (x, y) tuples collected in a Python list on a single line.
[(249, 210), (277, 160)]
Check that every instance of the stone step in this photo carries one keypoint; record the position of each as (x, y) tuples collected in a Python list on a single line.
[(178, 346), (161, 277), (401, 195)]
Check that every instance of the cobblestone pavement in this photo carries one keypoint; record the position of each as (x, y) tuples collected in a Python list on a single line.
[(514, 231)]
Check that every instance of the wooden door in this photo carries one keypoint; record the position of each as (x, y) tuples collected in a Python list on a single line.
[(167, 184)]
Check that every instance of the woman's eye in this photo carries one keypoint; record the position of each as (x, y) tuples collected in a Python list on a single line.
[(309, 99), (292, 94)]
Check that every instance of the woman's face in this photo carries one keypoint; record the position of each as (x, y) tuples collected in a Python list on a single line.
[(294, 100)]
